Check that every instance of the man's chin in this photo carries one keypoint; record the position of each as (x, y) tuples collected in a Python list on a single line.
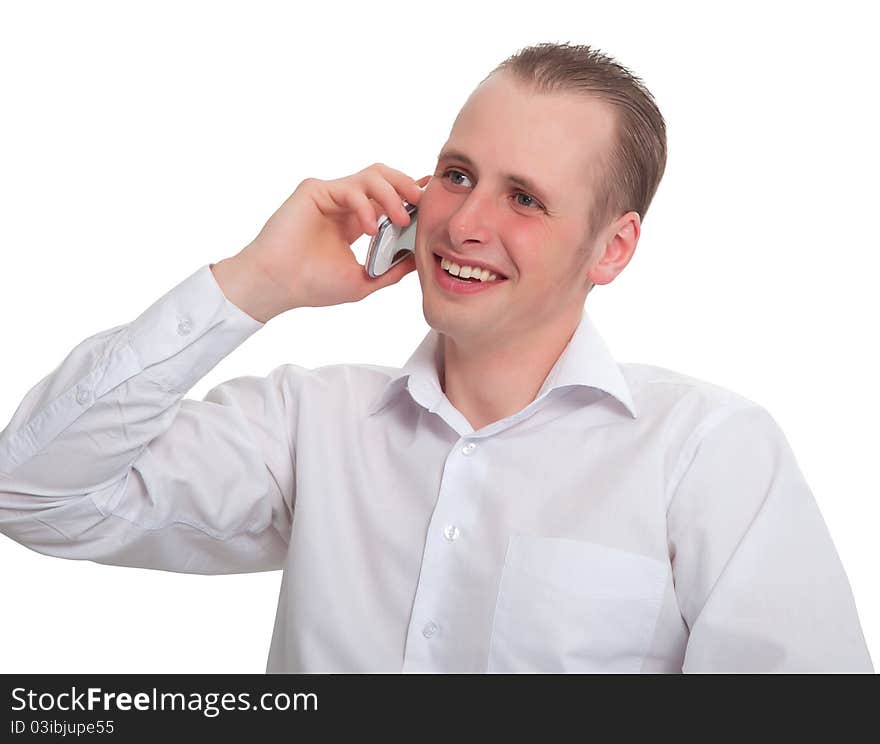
[(458, 325)]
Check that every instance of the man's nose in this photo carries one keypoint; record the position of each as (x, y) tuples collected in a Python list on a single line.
[(473, 219)]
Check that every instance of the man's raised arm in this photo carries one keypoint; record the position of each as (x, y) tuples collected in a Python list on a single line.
[(105, 459)]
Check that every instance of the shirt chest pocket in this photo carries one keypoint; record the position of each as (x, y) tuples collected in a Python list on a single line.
[(569, 606)]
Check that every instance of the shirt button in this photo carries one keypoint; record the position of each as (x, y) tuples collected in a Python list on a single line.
[(429, 630), (468, 448), (184, 326), (451, 532), (82, 397)]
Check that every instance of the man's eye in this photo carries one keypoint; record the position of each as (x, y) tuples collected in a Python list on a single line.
[(451, 170), (520, 193), (533, 203)]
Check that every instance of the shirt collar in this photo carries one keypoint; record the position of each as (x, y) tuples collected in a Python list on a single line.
[(585, 361)]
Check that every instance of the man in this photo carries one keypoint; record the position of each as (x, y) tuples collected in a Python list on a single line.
[(511, 500)]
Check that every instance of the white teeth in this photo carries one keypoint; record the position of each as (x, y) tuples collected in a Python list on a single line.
[(464, 272)]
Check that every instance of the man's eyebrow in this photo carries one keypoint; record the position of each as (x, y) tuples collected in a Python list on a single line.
[(527, 183)]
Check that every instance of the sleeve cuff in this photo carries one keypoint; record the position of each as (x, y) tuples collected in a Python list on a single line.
[(184, 334)]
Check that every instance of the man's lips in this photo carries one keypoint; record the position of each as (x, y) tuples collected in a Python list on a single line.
[(452, 284), (471, 262)]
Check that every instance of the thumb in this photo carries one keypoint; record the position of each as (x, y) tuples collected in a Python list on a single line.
[(392, 276)]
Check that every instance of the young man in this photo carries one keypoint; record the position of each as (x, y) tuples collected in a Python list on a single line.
[(511, 500)]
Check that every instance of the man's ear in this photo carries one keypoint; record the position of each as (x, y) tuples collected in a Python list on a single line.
[(619, 245)]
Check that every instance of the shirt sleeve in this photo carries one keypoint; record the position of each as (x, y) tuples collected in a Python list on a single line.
[(104, 460), (757, 577)]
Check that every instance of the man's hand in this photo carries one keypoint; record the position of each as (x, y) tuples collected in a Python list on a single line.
[(302, 257)]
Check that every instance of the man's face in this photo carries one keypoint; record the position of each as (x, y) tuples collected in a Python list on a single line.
[(534, 236)]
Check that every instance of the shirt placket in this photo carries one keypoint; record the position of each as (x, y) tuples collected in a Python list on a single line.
[(433, 636)]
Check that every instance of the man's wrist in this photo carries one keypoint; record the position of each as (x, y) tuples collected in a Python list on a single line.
[(246, 288)]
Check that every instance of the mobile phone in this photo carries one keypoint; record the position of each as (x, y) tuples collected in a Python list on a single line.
[(392, 243)]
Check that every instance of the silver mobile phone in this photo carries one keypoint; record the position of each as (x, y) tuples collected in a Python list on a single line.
[(392, 243)]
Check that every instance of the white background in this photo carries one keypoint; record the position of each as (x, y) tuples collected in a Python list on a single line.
[(142, 140)]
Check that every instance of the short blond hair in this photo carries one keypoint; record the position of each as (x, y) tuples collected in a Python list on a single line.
[(630, 171)]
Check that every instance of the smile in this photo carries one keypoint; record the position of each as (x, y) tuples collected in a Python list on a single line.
[(455, 285)]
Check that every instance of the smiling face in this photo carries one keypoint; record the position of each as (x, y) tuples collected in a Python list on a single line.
[(532, 232)]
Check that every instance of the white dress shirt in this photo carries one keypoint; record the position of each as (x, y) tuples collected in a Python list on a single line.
[(629, 519)]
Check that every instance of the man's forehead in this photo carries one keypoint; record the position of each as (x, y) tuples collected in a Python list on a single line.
[(549, 144)]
